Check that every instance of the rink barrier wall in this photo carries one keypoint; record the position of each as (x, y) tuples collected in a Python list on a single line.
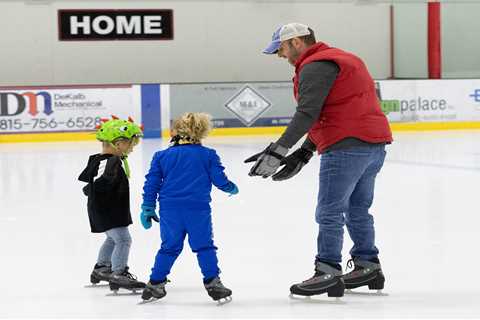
[(65, 113)]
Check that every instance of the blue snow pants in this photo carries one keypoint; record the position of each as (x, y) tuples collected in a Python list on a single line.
[(175, 224)]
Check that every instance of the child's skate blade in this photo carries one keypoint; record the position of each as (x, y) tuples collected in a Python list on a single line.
[(96, 285), (148, 301), (223, 301), (131, 292)]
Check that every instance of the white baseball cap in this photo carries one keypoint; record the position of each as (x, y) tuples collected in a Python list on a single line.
[(286, 32)]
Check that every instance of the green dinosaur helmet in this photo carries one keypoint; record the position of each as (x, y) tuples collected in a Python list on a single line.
[(111, 130)]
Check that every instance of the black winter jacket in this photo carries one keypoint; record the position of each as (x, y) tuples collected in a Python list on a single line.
[(108, 193)]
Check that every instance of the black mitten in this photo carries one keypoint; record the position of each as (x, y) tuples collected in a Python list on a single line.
[(293, 164)]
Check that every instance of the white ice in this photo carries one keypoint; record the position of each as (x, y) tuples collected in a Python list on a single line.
[(426, 214)]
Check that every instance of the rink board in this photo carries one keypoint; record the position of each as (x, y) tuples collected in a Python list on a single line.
[(62, 113)]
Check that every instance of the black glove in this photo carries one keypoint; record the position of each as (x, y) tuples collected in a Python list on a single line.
[(267, 161), (293, 164)]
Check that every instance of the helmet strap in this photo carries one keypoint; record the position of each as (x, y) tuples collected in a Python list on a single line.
[(124, 157), (126, 166)]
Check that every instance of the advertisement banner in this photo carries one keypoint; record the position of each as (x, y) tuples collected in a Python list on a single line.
[(47, 110), (430, 100), (243, 105), (232, 105), (236, 105)]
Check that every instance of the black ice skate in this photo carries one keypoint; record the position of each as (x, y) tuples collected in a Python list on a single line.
[(365, 273), (326, 279), (218, 292), (125, 280), (99, 273), (153, 292)]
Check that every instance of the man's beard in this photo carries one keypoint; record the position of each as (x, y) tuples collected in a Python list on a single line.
[(294, 54)]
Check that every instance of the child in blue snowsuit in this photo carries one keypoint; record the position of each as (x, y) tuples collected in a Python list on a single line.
[(181, 179)]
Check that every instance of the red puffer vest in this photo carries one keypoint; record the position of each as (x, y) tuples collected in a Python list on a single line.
[(351, 108)]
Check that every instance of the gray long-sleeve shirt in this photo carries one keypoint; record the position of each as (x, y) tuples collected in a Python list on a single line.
[(315, 81)]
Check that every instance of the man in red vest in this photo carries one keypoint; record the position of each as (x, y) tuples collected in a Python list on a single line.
[(339, 111)]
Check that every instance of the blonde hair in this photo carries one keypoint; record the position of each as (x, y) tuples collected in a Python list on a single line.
[(194, 126)]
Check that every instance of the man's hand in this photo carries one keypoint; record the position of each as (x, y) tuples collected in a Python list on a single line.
[(293, 164), (267, 161)]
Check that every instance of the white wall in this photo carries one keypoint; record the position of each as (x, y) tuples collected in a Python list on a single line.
[(214, 41)]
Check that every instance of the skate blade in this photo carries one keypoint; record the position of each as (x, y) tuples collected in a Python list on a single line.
[(223, 301), (96, 285), (377, 293), (130, 292), (334, 300), (148, 301)]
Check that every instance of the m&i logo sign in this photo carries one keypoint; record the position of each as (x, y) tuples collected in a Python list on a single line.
[(248, 105)]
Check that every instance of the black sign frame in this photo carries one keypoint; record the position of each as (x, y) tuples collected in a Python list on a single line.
[(64, 27)]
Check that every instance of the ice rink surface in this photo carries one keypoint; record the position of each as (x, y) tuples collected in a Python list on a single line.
[(426, 213)]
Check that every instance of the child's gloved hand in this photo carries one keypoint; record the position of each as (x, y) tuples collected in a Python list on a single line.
[(146, 216), (86, 190), (233, 191)]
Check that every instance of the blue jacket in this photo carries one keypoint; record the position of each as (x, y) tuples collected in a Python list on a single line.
[(183, 175)]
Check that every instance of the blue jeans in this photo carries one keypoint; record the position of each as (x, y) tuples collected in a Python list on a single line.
[(347, 182), (175, 224), (115, 249)]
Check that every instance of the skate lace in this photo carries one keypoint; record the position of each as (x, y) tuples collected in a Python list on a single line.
[(350, 265), (216, 284), (317, 274), (129, 275)]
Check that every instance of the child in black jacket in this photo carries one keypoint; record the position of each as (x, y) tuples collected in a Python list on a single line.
[(108, 205)]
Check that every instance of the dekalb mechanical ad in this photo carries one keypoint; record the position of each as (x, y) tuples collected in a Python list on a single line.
[(63, 110)]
